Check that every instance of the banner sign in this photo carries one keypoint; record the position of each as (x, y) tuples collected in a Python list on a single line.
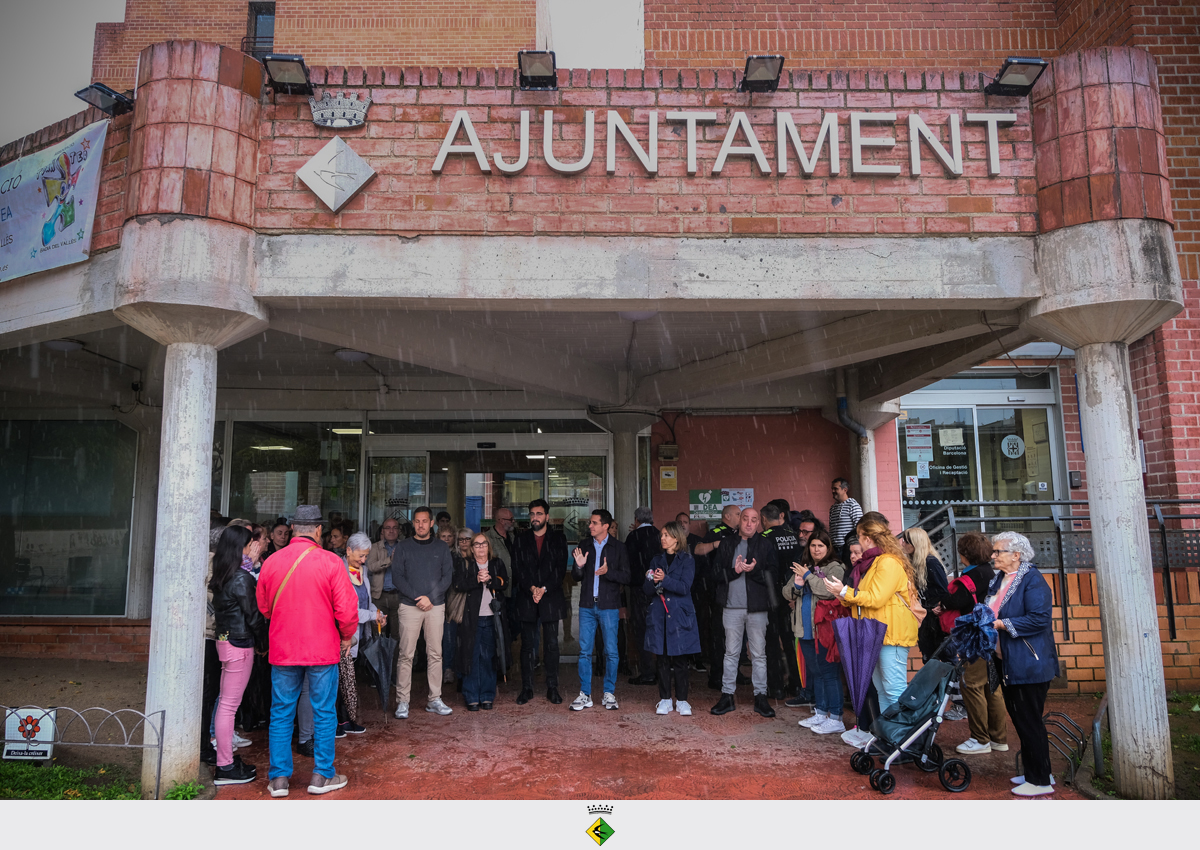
[(48, 204), (708, 504)]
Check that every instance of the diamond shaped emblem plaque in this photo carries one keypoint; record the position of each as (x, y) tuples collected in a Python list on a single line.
[(335, 173)]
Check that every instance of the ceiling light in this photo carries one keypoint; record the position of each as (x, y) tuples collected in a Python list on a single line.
[(761, 74), (1017, 77), (106, 100), (350, 355), (536, 457), (536, 70), (347, 431), (63, 344), (271, 448), (287, 73)]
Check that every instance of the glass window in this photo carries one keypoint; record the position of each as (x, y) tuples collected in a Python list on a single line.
[(396, 487), (1015, 463), (937, 460), (578, 486), (218, 465), (484, 426), (987, 380), (276, 466), (66, 491), (472, 485)]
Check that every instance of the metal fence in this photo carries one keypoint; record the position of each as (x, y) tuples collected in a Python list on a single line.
[(78, 730), (1060, 546)]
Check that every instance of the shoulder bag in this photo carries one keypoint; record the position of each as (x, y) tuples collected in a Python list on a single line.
[(283, 583)]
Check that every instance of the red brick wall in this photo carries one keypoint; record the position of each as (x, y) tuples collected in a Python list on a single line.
[(683, 33), (84, 638), (412, 109), (1093, 23)]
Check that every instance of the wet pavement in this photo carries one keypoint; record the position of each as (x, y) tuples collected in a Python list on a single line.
[(541, 751)]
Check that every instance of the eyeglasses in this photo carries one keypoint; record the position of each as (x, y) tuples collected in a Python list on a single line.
[(1000, 552), (479, 544)]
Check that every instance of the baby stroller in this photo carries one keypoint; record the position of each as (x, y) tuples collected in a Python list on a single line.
[(905, 732)]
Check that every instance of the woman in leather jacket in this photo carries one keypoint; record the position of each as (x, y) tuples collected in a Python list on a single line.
[(240, 630)]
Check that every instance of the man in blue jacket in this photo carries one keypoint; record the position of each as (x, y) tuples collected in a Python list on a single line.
[(601, 567)]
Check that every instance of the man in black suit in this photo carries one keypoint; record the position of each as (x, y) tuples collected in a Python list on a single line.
[(643, 544), (539, 559), (602, 568)]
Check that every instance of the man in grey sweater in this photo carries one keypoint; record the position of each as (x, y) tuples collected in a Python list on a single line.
[(421, 572)]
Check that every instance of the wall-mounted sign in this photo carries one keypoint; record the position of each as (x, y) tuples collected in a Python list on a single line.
[(741, 140), (335, 173), (1012, 446), (340, 111), (708, 504), (668, 478), (918, 442), (48, 204), (29, 734)]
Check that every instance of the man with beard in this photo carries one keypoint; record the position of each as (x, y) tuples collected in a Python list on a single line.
[(539, 558)]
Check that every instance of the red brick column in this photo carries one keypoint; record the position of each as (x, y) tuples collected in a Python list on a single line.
[(1099, 143), (195, 132)]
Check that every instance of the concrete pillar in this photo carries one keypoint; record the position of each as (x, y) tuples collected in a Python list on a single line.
[(174, 677), (870, 415), (625, 477), (1121, 543), (868, 495), (1107, 284)]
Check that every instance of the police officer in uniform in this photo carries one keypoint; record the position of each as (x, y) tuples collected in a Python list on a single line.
[(781, 651), (704, 594)]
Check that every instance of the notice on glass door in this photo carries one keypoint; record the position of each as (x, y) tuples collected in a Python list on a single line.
[(918, 441)]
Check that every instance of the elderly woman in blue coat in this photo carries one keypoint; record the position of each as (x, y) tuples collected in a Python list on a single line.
[(1022, 602), (671, 630)]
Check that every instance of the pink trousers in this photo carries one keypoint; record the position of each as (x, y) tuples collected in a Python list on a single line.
[(236, 664)]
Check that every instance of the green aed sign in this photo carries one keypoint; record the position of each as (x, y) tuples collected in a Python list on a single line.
[(704, 504)]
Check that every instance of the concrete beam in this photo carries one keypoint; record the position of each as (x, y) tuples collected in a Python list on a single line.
[(616, 273), (452, 346), (841, 343), (892, 377), (63, 302)]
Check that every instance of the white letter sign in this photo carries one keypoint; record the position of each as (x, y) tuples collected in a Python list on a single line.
[(589, 143), (918, 129), (752, 148), (461, 119), (692, 118), (857, 142), (649, 160), (785, 131), (993, 144)]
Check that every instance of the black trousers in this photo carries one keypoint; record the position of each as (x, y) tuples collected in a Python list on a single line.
[(212, 684), (638, 603), (778, 628), (787, 638), (672, 667), (1026, 704), (529, 639), (705, 600)]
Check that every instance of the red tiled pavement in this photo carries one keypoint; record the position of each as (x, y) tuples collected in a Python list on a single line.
[(542, 751)]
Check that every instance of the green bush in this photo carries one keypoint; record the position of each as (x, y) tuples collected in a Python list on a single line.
[(31, 781), (184, 791)]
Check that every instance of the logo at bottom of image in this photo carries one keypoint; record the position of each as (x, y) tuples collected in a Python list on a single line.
[(600, 831)]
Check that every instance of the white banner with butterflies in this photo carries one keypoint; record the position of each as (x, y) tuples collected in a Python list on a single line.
[(48, 204)]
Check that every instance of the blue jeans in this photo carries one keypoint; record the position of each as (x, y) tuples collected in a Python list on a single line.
[(826, 679), (285, 693), (606, 619), (891, 675), (479, 685)]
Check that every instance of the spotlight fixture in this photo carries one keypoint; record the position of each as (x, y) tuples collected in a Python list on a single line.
[(761, 74), (63, 344), (106, 100), (350, 355), (536, 70), (287, 73), (1017, 77)]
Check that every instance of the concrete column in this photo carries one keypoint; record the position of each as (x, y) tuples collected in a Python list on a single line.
[(868, 494), (175, 674), (1121, 543), (625, 477)]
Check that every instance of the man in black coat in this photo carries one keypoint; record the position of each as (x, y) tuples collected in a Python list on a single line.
[(643, 544), (745, 566), (539, 557), (781, 651), (601, 566)]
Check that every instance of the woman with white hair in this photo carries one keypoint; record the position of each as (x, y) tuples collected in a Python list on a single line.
[(357, 549), (1022, 602)]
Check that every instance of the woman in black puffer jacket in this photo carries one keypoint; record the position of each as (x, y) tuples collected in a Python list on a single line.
[(240, 630)]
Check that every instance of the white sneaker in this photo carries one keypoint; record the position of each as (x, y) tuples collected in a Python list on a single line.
[(239, 741), (829, 726), (436, 706), (1027, 790), (817, 719), (402, 711), (664, 707), (581, 702), (971, 747), (684, 708), (1020, 780), (999, 748), (610, 702), (955, 712)]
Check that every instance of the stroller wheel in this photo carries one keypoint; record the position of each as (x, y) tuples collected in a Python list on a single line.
[(886, 782), (955, 775), (933, 759), (862, 763), (874, 778)]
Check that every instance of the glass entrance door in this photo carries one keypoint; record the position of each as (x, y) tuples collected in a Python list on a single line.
[(395, 486), (472, 485)]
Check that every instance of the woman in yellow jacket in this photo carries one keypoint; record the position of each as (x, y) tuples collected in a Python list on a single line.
[(883, 593)]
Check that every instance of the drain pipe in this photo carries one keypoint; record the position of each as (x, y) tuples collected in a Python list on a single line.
[(866, 446)]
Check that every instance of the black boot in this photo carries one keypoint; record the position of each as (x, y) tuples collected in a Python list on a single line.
[(525, 696), (724, 705), (762, 706), (553, 695)]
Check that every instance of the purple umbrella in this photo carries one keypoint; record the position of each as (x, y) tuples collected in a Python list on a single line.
[(859, 644)]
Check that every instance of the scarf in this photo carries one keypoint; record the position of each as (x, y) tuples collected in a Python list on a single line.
[(356, 575), (860, 569)]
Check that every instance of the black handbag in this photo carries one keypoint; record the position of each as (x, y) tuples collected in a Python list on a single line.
[(995, 672)]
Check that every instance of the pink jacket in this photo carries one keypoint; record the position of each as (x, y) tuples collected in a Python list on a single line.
[(317, 608)]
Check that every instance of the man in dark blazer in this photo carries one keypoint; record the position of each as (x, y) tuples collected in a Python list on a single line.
[(601, 566), (745, 569), (539, 559), (642, 544)]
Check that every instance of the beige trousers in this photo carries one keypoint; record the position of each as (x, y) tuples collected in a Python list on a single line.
[(986, 714), (412, 621)]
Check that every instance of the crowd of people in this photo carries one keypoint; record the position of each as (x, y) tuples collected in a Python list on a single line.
[(763, 588)]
